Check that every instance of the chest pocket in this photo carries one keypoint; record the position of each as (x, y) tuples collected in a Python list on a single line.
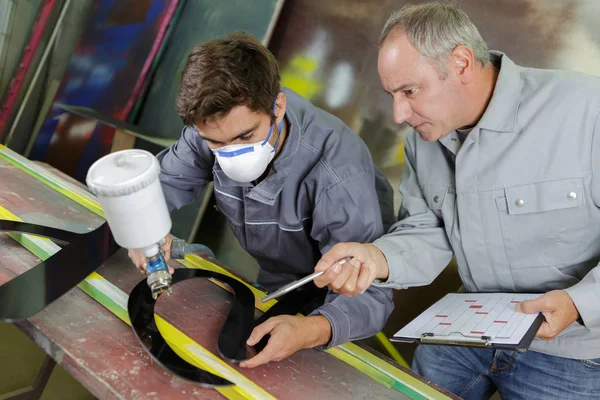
[(543, 223), (232, 207), (434, 196), (441, 201)]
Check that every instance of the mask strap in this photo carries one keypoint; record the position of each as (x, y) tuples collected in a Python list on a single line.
[(278, 135), (271, 128)]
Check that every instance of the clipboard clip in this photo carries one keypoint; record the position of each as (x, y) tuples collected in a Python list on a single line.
[(454, 339)]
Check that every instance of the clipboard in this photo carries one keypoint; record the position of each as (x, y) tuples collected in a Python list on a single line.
[(487, 320), (456, 339)]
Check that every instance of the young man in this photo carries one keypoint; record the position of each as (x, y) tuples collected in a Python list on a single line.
[(502, 170), (291, 180)]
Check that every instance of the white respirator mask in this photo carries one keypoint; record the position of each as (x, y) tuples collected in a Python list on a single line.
[(247, 162)]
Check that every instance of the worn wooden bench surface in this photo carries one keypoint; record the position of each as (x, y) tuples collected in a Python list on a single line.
[(101, 351)]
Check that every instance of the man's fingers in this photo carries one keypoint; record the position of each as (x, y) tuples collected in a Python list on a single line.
[(261, 358), (340, 281), (545, 331), (350, 285), (365, 278), (166, 249), (261, 330), (138, 259), (335, 254), (531, 306), (329, 276)]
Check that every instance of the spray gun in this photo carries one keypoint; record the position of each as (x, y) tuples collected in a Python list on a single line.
[(129, 191), (157, 272)]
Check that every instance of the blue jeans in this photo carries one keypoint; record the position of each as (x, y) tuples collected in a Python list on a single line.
[(475, 373)]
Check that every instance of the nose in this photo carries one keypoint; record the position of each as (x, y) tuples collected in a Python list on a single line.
[(402, 110)]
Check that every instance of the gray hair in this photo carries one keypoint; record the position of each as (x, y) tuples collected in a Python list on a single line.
[(435, 29)]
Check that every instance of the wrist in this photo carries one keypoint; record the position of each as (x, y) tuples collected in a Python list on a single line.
[(383, 272), (319, 331), (573, 307)]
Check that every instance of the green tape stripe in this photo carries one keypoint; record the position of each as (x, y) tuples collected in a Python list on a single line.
[(403, 379), (411, 393), (90, 287), (28, 242), (68, 190), (363, 367)]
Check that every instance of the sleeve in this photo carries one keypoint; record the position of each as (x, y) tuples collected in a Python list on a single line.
[(349, 211), (385, 195), (417, 248), (185, 169), (586, 293)]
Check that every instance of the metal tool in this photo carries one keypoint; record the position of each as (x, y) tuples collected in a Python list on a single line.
[(296, 284)]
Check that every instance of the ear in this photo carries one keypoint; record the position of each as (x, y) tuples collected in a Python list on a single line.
[(462, 64), (281, 104)]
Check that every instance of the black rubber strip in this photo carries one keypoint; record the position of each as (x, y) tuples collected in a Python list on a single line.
[(232, 339), (32, 291), (233, 335)]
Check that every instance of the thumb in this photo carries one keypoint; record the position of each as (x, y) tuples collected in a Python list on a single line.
[(530, 306), (261, 358), (260, 331)]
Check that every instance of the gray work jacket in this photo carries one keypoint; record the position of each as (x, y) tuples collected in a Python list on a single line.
[(517, 203), (321, 190)]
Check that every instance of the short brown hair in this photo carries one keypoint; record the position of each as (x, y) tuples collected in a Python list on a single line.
[(221, 74)]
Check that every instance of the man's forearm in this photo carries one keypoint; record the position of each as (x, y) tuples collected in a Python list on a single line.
[(318, 329)]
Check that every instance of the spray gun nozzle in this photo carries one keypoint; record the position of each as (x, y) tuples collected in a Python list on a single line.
[(158, 276)]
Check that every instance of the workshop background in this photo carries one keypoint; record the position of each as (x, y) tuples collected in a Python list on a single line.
[(121, 59)]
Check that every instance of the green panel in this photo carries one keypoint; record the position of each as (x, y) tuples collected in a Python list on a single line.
[(199, 21)]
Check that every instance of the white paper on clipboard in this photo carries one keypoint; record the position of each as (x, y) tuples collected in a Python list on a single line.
[(470, 316)]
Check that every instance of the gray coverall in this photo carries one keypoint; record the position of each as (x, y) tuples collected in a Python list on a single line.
[(322, 188)]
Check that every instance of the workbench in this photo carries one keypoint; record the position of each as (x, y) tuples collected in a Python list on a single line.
[(100, 350)]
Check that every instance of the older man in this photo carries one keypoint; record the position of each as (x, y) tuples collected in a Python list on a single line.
[(502, 171)]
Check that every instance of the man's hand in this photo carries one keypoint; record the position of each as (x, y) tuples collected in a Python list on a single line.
[(288, 335), (138, 259), (557, 307), (354, 277)]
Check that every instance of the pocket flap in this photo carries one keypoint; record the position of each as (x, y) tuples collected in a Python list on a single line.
[(434, 196), (545, 196)]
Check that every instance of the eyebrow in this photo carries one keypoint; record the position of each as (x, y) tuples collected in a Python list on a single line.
[(238, 136), (401, 87)]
